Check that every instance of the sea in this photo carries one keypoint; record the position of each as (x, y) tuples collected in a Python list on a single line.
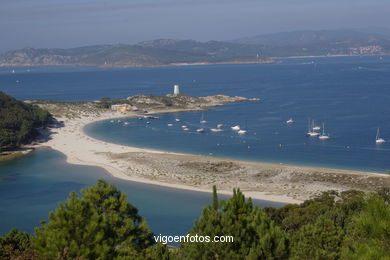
[(350, 96)]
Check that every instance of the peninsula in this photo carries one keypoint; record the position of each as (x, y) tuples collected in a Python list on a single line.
[(274, 182)]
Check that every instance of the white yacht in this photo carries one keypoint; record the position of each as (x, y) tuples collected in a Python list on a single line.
[(200, 130), (241, 132), (323, 136), (235, 128), (378, 139), (311, 131), (217, 129), (177, 119), (183, 126), (169, 124), (186, 129), (202, 120), (290, 121)]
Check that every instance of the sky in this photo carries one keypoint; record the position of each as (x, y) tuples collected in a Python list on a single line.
[(73, 23)]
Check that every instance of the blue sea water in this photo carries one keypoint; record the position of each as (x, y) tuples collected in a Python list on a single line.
[(349, 94), (32, 186)]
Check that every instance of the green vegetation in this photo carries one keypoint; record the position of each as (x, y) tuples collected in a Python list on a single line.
[(99, 223), (18, 121)]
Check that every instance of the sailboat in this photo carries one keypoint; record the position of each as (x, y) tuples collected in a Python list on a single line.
[(202, 120), (378, 139), (311, 132), (235, 128), (315, 127), (242, 131), (290, 121), (323, 136), (217, 129)]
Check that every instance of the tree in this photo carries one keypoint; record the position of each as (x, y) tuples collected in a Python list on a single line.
[(255, 235), (368, 234), (16, 245), (99, 224), (321, 240), (105, 102)]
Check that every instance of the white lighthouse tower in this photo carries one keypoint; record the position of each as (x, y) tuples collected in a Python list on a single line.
[(176, 90)]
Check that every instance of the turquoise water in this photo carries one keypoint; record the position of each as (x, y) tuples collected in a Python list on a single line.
[(32, 186)]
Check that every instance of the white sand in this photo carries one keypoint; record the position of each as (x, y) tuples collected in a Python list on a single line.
[(84, 150), (264, 181)]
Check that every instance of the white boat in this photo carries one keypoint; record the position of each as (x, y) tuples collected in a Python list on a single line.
[(169, 124), (112, 121), (378, 139), (218, 129), (235, 128), (186, 129), (241, 132), (315, 127), (183, 126), (126, 123), (311, 131), (148, 122), (177, 120), (202, 120), (323, 136), (290, 121), (13, 71), (200, 130)]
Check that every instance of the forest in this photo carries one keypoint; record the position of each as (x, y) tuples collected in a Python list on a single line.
[(99, 223), (19, 121)]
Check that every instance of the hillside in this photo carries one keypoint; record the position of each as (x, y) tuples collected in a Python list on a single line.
[(165, 52), (145, 54), (326, 42), (18, 121)]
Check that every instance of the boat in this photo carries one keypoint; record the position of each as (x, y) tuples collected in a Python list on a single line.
[(177, 120), (148, 122), (183, 126), (378, 139), (311, 131), (169, 124), (235, 128), (200, 130), (323, 136), (290, 121), (126, 123), (315, 127), (241, 132), (217, 129), (186, 129), (202, 120), (13, 71)]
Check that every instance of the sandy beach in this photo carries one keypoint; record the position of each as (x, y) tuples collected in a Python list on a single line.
[(264, 181)]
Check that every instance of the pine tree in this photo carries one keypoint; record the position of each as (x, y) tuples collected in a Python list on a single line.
[(100, 224), (368, 234), (255, 235)]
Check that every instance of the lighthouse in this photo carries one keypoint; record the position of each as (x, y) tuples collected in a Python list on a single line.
[(176, 90)]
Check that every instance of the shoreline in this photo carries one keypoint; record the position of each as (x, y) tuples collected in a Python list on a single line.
[(260, 180), (272, 60)]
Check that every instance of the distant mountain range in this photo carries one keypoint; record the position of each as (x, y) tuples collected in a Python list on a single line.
[(165, 52)]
